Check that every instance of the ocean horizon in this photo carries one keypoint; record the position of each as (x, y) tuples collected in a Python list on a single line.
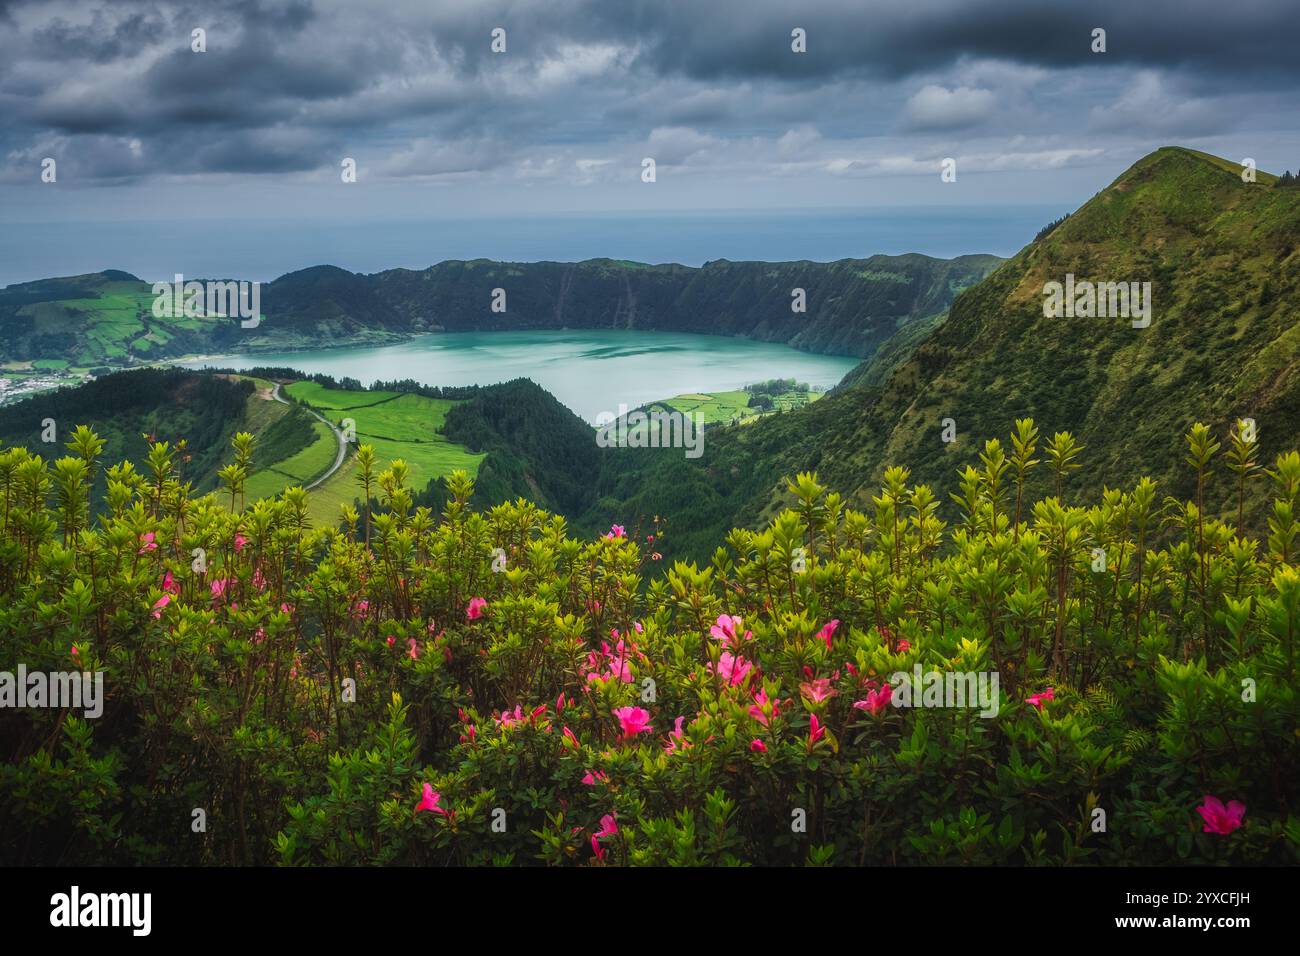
[(267, 249)]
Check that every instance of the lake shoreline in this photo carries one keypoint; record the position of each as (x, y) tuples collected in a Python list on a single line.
[(591, 371)]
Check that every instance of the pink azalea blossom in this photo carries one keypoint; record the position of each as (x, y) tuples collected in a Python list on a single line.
[(1037, 699), (732, 668), (475, 609), (150, 544), (218, 586), (608, 827), (818, 690), (161, 603), (615, 531), (826, 632), (169, 584), (904, 647), (412, 649), (758, 746), (815, 731), (633, 721), (726, 630), (240, 541), (594, 777), (875, 701), (757, 709), (507, 719), (430, 802), (676, 738), (1218, 818)]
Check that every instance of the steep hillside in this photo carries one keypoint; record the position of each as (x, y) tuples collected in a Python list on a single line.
[(126, 408), (852, 305), (1223, 260)]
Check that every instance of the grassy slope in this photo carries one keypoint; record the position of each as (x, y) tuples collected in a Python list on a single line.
[(398, 426), (729, 406), (1224, 261)]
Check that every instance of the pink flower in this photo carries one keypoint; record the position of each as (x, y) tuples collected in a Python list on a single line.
[(904, 647), (169, 584), (676, 738), (430, 802), (506, 719), (1037, 699), (149, 543), (632, 721), (726, 629), (475, 609), (1218, 818), (594, 777), (615, 531), (570, 738), (219, 586), (732, 668), (815, 731), (875, 701), (608, 827), (412, 649), (240, 541), (826, 632), (161, 603), (360, 608), (390, 640), (758, 746), (758, 711), (818, 690)]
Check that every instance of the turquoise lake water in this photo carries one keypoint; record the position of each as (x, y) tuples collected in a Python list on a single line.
[(590, 371)]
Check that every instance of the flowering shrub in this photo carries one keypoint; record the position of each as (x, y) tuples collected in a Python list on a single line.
[(418, 700)]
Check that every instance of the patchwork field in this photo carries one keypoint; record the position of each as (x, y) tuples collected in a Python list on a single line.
[(397, 425), (730, 406)]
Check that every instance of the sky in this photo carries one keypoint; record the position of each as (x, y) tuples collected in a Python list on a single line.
[(442, 127)]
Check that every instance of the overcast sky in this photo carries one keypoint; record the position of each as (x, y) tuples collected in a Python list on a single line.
[(143, 127)]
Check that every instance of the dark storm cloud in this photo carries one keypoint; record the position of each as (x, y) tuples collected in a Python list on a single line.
[(737, 37), (285, 86)]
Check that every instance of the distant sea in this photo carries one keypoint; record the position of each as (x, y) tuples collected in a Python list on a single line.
[(264, 250)]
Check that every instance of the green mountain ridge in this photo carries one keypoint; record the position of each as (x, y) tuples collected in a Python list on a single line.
[(852, 306), (1223, 344)]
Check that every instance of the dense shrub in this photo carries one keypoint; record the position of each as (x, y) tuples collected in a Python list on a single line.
[(477, 688)]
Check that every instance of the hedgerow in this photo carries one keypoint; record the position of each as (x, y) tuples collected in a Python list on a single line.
[(481, 688)]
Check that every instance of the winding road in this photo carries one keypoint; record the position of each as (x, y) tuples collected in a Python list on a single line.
[(338, 436)]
